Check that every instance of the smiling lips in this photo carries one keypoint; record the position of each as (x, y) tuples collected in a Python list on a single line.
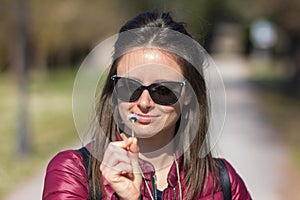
[(145, 119)]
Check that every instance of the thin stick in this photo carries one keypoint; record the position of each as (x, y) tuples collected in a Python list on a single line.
[(132, 128), (133, 118)]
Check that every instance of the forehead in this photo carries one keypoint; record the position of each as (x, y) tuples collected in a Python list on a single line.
[(148, 62)]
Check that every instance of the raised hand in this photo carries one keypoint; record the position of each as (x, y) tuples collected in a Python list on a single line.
[(120, 168)]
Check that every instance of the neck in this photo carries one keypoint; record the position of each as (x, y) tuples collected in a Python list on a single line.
[(158, 150)]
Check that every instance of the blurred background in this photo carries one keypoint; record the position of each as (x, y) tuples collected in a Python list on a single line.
[(255, 43)]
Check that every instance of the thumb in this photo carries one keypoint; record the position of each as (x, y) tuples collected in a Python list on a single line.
[(134, 148)]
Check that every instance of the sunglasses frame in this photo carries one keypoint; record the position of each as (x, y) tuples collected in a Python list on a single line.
[(115, 78)]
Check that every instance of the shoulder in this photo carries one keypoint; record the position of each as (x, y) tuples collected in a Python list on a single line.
[(66, 161), (238, 187), (66, 177)]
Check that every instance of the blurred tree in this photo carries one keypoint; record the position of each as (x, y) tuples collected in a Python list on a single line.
[(283, 14), (286, 14), (60, 27), (21, 64), (7, 25)]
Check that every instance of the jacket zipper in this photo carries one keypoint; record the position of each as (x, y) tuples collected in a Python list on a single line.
[(174, 190), (153, 180)]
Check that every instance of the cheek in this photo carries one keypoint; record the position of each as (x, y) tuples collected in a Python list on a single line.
[(124, 108), (171, 112)]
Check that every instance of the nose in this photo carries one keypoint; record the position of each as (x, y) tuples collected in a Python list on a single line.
[(145, 101)]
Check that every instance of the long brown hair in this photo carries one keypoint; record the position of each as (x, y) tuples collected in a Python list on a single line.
[(194, 116)]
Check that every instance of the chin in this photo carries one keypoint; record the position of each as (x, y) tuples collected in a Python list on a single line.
[(146, 132), (145, 135), (141, 132)]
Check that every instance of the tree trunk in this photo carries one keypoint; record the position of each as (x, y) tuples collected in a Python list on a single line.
[(21, 62), (296, 77)]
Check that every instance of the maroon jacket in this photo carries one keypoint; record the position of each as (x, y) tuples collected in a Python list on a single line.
[(66, 179)]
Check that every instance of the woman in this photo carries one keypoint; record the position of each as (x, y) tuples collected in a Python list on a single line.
[(154, 115)]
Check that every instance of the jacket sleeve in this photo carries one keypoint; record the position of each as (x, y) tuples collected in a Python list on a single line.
[(66, 177), (238, 187)]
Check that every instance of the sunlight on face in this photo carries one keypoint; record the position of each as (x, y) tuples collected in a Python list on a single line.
[(148, 66)]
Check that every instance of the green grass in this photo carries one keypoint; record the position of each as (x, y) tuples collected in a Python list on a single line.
[(50, 123)]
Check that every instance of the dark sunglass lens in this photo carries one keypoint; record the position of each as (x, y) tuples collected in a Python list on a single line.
[(163, 93), (135, 95), (166, 93), (127, 89)]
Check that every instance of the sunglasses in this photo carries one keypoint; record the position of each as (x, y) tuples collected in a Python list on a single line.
[(162, 93)]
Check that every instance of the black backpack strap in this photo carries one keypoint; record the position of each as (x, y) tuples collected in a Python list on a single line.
[(224, 179), (86, 155)]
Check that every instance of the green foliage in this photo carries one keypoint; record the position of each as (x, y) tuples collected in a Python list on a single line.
[(58, 27)]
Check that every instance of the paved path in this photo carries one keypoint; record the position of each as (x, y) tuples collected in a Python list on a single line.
[(32, 189), (29, 190), (247, 142)]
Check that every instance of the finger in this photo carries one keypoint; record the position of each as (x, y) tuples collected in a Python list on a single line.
[(113, 149), (123, 144), (134, 148), (127, 141), (123, 136), (114, 154), (118, 173), (133, 154), (122, 168), (115, 158), (125, 170)]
